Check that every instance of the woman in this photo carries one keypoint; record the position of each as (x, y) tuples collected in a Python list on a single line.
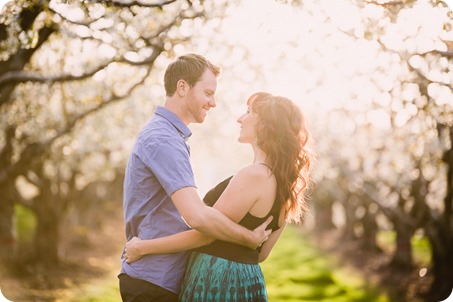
[(273, 185)]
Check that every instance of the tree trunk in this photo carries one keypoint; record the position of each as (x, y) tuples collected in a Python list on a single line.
[(440, 234), (442, 263), (350, 204), (323, 211), (370, 230), (47, 230), (7, 224), (402, 257), (7, 202)]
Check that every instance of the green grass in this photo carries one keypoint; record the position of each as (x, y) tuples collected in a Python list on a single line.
[(420, 246), (105, 291), (296, 271), (25, 223)]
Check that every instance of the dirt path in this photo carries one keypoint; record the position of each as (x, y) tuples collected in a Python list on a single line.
[(85, 266), (89, 270)]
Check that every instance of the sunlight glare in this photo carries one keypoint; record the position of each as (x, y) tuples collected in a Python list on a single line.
[(105, 51), (379, 119), (70, 12), (449, 3), (2, 298), (343, 13), (276, 28), (3, 3)]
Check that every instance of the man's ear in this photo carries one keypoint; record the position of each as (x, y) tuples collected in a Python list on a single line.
[(182, 87)]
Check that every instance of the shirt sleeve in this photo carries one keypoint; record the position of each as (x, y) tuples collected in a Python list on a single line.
[(169, 160)]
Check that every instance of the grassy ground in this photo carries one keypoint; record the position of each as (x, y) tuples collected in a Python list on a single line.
[(295, 271)]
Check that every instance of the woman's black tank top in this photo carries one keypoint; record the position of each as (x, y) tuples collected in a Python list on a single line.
[(232, 251)]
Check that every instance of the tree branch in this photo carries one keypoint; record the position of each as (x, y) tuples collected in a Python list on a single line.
[(393, 213), (19, 60), (84, 23), (119, 3), (22, 76), (35, 150), (446, 54)]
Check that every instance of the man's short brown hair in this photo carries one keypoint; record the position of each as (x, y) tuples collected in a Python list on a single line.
[(189, 68)]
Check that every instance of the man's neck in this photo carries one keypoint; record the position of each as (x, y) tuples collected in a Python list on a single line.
[(175, 106)]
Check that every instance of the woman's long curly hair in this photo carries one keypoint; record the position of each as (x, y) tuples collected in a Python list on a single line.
[(283, 136)]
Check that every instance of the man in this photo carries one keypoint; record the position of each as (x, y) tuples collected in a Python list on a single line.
[(160, 195)]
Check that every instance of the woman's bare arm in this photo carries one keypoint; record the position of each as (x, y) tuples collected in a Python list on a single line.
[(237, 199), (269, 244), (137, 248)]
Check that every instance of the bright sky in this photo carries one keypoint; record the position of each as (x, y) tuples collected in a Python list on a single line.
[(318, 63), (311, 56), (299, 54), (308, 55), (2, 3), (2, 298), (449, 3)]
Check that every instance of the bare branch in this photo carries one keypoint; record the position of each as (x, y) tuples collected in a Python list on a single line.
[(119, 3), (426, 80), (32, 178), (34, 150), (20, 59), (84, 23), (446, 54), (393, 213), (22, 76), (385, 3), (114, 98)]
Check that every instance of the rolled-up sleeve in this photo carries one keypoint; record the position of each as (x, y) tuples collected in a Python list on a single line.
[(169, 161)]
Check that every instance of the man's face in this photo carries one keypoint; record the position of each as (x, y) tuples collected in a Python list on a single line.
[(201, 97)]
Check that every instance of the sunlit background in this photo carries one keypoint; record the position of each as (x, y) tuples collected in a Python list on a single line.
[(78, 79)]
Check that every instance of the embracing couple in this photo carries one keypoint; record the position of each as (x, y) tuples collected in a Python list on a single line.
[(183, 248)]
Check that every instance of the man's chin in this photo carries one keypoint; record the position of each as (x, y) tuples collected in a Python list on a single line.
[(201, 119)]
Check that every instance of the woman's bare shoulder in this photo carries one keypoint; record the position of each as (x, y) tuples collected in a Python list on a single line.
[(255, 173)]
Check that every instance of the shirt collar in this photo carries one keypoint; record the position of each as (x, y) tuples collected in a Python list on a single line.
[(182, 128)]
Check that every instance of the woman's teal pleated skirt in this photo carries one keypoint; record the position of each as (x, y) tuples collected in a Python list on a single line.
[(213, 279)]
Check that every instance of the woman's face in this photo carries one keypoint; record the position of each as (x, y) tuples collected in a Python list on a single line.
[(248, 122)]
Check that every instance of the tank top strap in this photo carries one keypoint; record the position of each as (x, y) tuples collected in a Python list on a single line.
[(267, 166)]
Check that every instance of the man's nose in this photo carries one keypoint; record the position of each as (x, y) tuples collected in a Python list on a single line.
[(212, 103)]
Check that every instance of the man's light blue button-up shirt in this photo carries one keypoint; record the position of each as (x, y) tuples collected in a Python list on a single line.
[(158, 166)]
